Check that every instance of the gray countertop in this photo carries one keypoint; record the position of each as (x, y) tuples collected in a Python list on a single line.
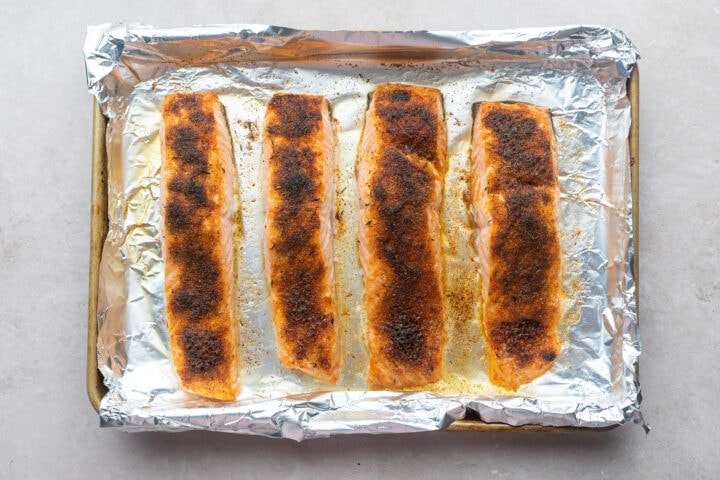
[(49, 430)]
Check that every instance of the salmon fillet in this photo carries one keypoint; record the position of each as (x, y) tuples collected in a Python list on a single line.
[(299, 188), (400, 173), (196, 193), (514, 194)]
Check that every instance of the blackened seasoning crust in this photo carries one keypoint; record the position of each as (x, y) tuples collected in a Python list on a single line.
[(410, 310), (524, 148), (196, 190), (519, 339), (549, 356), (525, 246), (185, 141), (191, 188), (177, 216), (409, 124), (400, 95), (297, 152), (400, 170), (514, 144), (297, 180), (204, 350), (406, 335), (306, 319), (187, 211), (297, 115), (201, 297)]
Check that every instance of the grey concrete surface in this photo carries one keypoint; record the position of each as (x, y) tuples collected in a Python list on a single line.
[(49, 430)]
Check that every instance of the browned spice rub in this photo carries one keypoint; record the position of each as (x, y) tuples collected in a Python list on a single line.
[(196, 197), (299, 172), (515, 194), (401, 165)]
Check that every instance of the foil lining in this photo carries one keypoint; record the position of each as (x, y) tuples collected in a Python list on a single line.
[(579, 72)]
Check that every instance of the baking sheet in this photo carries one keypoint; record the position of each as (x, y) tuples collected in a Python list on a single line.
[(592, 135)]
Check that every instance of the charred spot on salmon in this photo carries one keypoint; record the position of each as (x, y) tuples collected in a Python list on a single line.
[(513, 125), (410, 313), (306, 319), (296, 173), (296, 181), (191, 188), (185, 300), (407, 338), (177, 216), (296, 185), (518, 339), (188, 212), (411, 129), (401, 181), (201, 118), (203, 350), (399, 95), (294, 240), (184, 141), (324, 362), (549, 356), (201, 297), (298, 115), (524, 149)]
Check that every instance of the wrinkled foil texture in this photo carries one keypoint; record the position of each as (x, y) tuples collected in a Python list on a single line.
[(579, 72)]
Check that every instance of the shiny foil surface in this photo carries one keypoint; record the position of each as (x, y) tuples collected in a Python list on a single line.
[(579, 72)]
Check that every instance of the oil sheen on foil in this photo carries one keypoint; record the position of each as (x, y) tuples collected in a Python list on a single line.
[(580, 73)]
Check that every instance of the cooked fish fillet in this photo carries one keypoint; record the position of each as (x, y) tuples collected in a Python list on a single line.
[(514, 194), (299, 170), (400, 174), (197, 195)]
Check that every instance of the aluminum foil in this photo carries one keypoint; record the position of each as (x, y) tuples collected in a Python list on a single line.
[(579, 72)]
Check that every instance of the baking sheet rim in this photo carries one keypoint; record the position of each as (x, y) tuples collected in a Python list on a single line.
[(99, 225)]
